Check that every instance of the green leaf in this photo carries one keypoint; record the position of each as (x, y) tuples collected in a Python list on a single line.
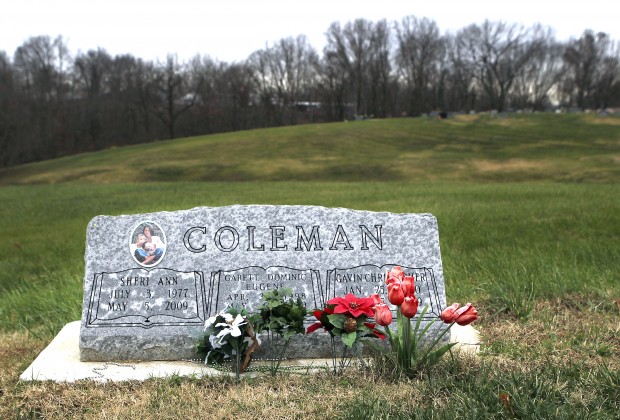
[(349, 338), (289, 333), (337, 320), (434, 356)]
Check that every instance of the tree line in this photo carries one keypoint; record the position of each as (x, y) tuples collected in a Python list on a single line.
[(54, 104)]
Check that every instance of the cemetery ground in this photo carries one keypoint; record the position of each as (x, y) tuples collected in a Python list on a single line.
[(528, 208)]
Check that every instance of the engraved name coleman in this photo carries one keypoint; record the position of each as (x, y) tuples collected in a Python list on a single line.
[(278, 238)]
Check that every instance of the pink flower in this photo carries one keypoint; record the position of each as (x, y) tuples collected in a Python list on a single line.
[(466, 315), (447, 315), (383, 315), (352, 305), (397, 277), (461, 315), (409, 307), (376, 298)]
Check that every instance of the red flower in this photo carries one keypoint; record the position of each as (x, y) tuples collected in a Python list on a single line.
[(377, 299), (447, 315), (396, 295), (352, 305), (409, 307), (466, 315), (408, 286), (462, 316), (396, 274), (383, 315), (321, 316), (397, 277)]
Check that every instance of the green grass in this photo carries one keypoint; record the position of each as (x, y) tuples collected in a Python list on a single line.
[(529, 224), (565, 148)]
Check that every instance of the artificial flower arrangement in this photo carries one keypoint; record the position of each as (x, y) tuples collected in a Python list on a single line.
[(346, 317), (229, 336), (232, 334), (282, 318)]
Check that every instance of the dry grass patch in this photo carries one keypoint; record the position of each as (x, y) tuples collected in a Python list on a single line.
[(510, 165), (18, 350), (604, 120), (558, 332)]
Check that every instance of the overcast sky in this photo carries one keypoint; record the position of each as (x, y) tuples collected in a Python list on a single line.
[(232, 30)]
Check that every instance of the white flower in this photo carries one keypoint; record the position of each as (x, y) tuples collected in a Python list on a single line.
[(210, 322), (231, 326), (214, 342)]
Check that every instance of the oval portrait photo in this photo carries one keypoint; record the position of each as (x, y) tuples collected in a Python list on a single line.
[(147, 244)]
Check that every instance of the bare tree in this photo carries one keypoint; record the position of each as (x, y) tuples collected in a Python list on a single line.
[(360, 52), (347, 52), (40, 63), (498, 53), (591, 69), (537, 85), (92, 73), (238, 90), (421, 62), (9, 113), (460, 78), (380, 78), (284, 75), (174, 93), (260, 64), (293, 72), (332, 85), (607, 84)]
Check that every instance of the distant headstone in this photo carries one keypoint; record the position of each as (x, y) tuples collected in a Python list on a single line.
[(151, 280)]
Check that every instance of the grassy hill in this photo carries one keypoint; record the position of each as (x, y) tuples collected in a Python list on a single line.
[(516, 148)]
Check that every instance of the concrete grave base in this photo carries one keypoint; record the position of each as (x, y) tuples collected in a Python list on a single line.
[(60, 361)]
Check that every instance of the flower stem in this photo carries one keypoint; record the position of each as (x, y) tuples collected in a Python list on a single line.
[(276, 365), (333, 354), (238, 363)]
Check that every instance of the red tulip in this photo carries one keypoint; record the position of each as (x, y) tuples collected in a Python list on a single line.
[(383, 315), (376, 298), (447, 315), (408, 285), (395, 275), (409, 307), (396, 296), (466, 315)]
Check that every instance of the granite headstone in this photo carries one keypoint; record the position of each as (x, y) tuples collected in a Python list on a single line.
[(151, 280)]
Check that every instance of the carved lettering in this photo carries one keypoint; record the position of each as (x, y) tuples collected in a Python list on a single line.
[(187, 237), (232, 242), (314, 241), (340, 238), (375, 239), (277, 235)]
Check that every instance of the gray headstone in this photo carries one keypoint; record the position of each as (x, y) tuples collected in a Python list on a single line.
[(150, 302)]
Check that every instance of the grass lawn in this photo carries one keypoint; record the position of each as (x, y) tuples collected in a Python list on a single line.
[(529, 222)]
